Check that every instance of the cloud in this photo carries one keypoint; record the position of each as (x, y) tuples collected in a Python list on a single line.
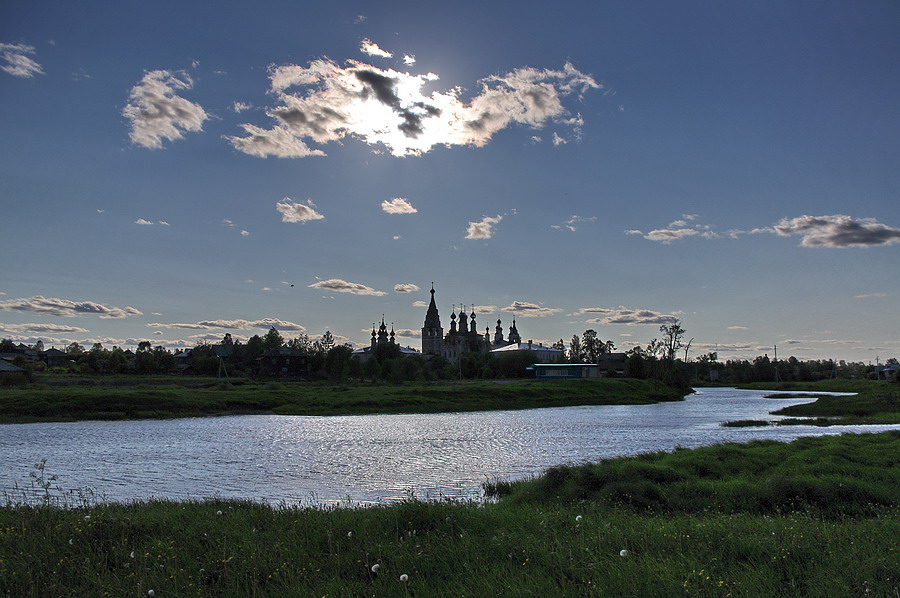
[(359, 19), (485, 309), (407, 333), (157, 113), (483, 229), (294, 211), (571, 222), (264, 323), (17, 63), (409, 59), (398, 205), (144, 222), (624, 315), (389, 108), (738, 328), (369, 47), (405, 288), (870, 295), (66, 308), (245, 233), (239, 107), (677, 230), (342, 286), (530, 310), (837, 231), (41, 328), (557, 140), (419, 304)]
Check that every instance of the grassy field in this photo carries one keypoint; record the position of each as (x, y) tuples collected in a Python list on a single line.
[(818, 517), (876, 402), (79, 399)]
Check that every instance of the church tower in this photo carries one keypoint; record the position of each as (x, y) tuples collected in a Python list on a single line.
[(514, 334), (432, 333)]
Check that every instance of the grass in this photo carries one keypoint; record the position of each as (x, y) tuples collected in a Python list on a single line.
[(875, 402), (533, 542), (165, 399)]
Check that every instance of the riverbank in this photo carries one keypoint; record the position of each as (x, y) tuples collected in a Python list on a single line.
[(816, 517), (874, 402), (102, 399)]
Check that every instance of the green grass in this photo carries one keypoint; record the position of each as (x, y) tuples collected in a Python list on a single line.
[(533, 545), (48, 402), (876, 402)]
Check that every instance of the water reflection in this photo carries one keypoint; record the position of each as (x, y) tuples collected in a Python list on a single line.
[(365, 459)]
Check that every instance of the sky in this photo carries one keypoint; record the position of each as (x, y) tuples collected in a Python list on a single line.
[(176, 171)]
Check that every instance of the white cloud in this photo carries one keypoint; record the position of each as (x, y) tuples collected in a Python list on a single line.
[(398, 205), (870, 295), (409, 59), (342, 286), (557, 140), (530, 310), (294, 211), (17, 63), (389, 108), (359, 19), (571, 222), (405, 288), (157, 113), (66, 308), (483, 229), (419, 304), (485, 309), (369, 47), (144, 222), (738, 328), (624, 315), (245, 233), (677, 230), (239, 107)]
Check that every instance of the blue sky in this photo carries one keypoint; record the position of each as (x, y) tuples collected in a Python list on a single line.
[(175, 171)]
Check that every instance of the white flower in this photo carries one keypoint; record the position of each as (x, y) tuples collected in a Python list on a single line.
[(71, 541), (131, 555), (349, 534), (151, 593), (404, 577), (218, 512), (577, 518), (623, 553), (375, 568)]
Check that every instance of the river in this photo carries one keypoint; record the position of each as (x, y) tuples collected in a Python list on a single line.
[(367, 459)]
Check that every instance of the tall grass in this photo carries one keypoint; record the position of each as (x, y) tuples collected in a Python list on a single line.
[(580, 544)]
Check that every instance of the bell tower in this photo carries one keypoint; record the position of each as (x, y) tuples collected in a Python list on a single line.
[(432, 333)]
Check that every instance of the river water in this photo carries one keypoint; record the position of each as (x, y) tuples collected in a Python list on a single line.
[(369, 458)]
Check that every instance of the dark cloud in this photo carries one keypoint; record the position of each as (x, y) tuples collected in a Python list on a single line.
[(66, 308), (838, 231)]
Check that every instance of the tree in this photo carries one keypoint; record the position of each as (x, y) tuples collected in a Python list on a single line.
[(38, 346), (74, 349), (273, 339), (575, 354), (228, 341), (337, 362), (590, 346), (672, 335)]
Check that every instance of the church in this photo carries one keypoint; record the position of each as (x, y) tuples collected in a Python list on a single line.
[(463, 336)]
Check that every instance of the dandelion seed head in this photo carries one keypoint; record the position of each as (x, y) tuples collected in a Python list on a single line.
[(218, 512), (71, 541), (623, 553), (349, 534), (375, 568), (404, 578), (151, 593), (578, 518)]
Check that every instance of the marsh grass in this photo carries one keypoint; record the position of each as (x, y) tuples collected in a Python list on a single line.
[(59, 402), (537, 546)]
